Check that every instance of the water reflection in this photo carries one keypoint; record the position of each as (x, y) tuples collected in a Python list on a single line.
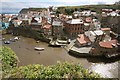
[(109, 70)]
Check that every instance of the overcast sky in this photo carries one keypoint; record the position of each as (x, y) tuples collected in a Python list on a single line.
[(17, 5)]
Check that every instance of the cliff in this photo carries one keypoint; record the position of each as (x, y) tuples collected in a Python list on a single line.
[(25, 10)]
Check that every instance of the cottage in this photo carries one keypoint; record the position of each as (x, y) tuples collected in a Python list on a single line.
[(107, 48), (97, 25), (114, 13), (69, 17), (57, 28), (86, 13), (3, 25), (106, 30), (94, 35), (86, 26), (17, 23), (107, 10), (106, 34), (47, 29), (36, 26), (82, 40), (76, 14), (26, 22), (35, 23)]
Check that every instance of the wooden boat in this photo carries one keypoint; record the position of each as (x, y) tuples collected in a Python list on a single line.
[(16, 38), (39, 48), (3, 39)]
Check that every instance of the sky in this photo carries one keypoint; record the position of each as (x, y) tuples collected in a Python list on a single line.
[(16, 5)]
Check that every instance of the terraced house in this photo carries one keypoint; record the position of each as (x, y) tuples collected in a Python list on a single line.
[(74, 27)]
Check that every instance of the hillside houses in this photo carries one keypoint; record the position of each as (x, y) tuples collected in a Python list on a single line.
[(82, 26), (110, 12), (96, 44), (79, 26), (84, 13), (107, 48)]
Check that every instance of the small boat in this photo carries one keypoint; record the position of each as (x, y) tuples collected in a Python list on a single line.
[(37, 41), (7, 42), (39, 49), (16, 38), (12, 40), (3, 39)]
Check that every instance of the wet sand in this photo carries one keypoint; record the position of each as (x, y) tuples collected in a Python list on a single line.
[(24, 49)]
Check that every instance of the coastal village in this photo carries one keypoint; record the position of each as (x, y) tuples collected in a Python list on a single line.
[(80, 33)]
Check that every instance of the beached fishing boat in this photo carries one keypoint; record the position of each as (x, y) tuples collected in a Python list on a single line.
[(16, 38), (39, 48), (6, 42)]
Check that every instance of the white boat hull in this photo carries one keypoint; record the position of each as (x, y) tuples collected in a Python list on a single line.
[(39, 49)]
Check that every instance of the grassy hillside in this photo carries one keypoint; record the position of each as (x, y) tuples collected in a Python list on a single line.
[(97, 8), (8, 59)]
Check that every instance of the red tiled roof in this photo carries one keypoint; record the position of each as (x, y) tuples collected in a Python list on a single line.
[(105, 29), (82, 39), (47, 26), (108, 44)]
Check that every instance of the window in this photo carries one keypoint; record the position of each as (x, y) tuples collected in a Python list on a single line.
[(80, 27), (75, 28)]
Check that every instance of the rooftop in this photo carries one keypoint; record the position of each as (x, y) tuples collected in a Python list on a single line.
[(75, 21), (86, 24), (105, 29), (98, 32), (83, 39), (47, 26), (108, 44)]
